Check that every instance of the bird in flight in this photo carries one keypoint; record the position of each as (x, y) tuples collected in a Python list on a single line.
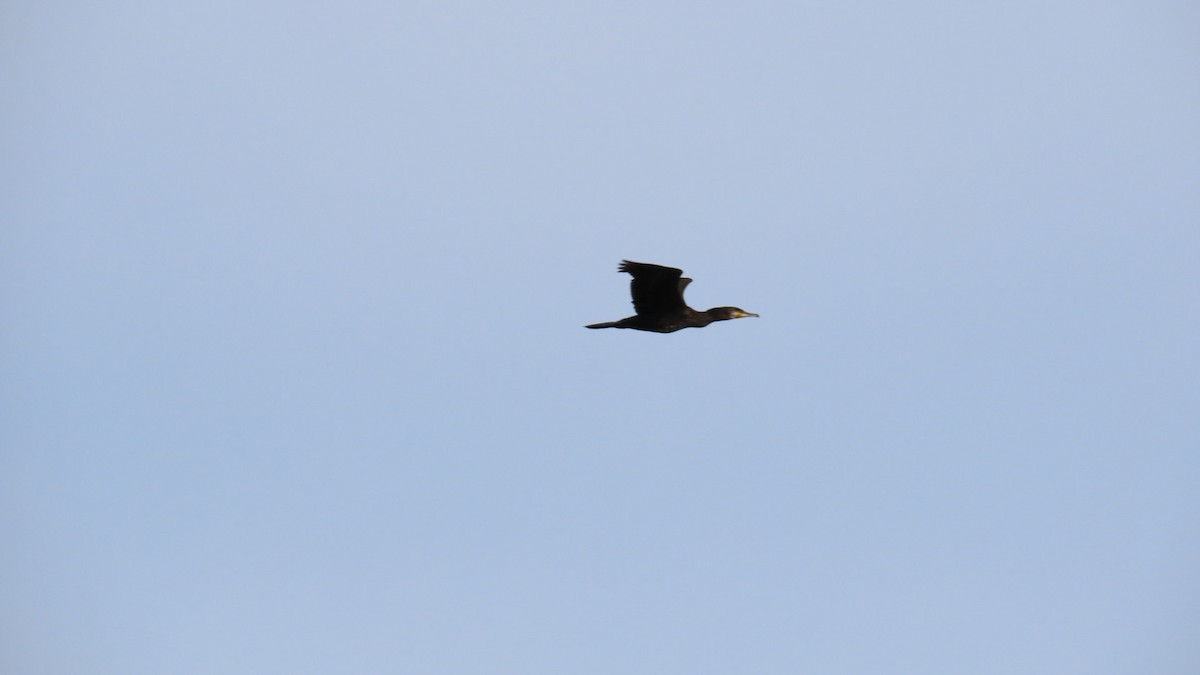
[(658, 300)]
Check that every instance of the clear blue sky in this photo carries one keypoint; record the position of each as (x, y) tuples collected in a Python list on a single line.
[(295, 379)]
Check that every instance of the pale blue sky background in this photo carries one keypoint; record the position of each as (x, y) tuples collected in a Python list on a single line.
[(295, 379)]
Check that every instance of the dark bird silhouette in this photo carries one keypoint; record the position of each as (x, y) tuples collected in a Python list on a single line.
[(658, 300)]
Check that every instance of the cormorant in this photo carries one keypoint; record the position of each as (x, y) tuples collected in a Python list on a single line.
[(658, 300)]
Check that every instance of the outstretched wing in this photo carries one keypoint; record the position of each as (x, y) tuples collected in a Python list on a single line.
[(655, 289)]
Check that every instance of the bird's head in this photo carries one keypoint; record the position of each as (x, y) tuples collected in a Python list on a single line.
[(726, 313)]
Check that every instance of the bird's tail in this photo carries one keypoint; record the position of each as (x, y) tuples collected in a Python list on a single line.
[(607, 324)]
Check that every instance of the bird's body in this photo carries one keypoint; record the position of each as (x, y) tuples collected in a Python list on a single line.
[(658, 300)]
